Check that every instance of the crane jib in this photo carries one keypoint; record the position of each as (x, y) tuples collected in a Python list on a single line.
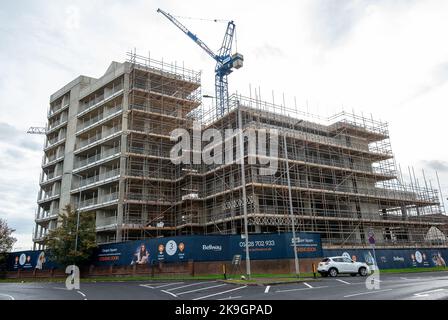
[(192, 36)]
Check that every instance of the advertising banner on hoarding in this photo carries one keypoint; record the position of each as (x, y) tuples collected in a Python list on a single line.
[(169, 249), (308, 245), (396, 258), (29, 260), (208, 248), (277, 246)]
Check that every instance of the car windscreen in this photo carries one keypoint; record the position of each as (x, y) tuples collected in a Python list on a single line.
[(325, 259)]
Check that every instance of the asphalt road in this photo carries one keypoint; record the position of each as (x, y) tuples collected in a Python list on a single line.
[(431, 285)]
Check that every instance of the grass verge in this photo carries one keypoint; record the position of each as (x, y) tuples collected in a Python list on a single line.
[(414, 270), (264, 278)]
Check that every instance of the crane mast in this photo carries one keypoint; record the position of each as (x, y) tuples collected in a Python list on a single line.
[(225, 61)]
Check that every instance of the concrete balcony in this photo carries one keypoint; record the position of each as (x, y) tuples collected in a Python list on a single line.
[(98, 138), (49, 197), (94, 203), (97, 159), (97, 180), (52, 160), (56, 125), (99, 119), (38, 238), (57, 110), (51, 179), (54, 143), (99, 101), (106, 223), (45, 217)]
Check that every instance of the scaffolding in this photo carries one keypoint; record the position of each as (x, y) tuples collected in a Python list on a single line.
[(343, 179), (162, 98)]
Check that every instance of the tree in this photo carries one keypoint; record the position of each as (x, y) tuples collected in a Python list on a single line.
[(6, 243), (6, 238), (61, 241)]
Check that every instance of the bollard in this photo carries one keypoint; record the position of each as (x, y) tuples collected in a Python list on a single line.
[(224, 271), (314, 271)]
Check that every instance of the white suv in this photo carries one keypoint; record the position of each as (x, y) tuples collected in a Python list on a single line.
[(334, 265)]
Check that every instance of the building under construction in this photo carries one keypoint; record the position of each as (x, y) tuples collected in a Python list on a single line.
[(108, 150)]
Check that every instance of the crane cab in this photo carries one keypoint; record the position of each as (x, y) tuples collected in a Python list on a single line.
[(233, 62), (237, 60)]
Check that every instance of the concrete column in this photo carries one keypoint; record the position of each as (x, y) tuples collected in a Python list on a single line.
[(122, 184), (66, 182)]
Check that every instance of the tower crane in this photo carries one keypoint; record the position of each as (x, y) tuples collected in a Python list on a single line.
[(226, 62)]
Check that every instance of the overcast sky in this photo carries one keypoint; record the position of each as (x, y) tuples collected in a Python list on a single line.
[(385, 58)]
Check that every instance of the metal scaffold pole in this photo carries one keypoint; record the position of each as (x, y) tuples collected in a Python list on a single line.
[(243, 183)]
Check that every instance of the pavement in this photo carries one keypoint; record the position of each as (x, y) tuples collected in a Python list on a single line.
[(413, 286)]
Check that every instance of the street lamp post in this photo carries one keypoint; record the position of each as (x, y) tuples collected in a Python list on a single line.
[(77, 208)]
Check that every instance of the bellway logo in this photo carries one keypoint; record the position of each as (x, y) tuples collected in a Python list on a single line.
[(211, 247)]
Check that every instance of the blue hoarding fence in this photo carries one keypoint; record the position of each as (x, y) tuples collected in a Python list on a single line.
[(184, 248), (224, 247), (208, 248)]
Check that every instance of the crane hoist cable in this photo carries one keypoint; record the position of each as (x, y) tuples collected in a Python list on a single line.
[(201, 19)]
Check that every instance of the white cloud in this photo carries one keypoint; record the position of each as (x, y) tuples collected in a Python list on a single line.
[(72, 18)]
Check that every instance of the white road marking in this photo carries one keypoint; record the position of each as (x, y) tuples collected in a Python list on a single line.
[(146, 286), (206, 288), (301, 289), (267, 289), (170, 293), (8, 296), (342, 281), (231, 298), (188, 285), (81, 294), (219, 293), (65, 289), (364, 293), (167, 285), (308, 285), (426, 293)]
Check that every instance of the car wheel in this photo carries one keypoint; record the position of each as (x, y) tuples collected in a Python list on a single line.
[(333, 272), (353, 274), (363, 271)]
